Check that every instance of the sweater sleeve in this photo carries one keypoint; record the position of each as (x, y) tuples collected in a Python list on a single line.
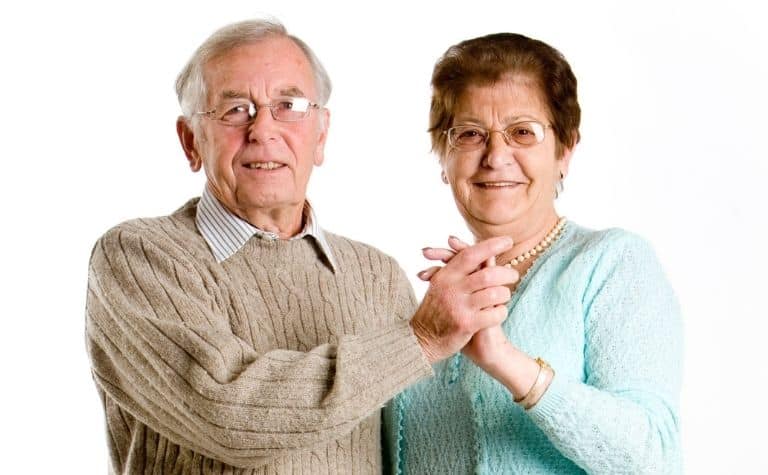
[(162, 348), (624, 418)]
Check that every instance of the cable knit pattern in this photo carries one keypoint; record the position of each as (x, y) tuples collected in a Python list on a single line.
[(267, 363), (598, 308)]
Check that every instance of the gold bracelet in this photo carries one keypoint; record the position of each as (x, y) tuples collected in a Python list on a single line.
[(540, 386), (539, 362)]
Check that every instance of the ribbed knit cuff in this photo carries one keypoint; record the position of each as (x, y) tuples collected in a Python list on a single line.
[(552, 401)]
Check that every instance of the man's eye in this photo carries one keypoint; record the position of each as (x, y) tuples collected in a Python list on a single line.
[(294, 104), (234, 112)]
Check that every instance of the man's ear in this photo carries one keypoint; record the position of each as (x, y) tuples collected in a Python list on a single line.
[(187, 139), (325, 121)]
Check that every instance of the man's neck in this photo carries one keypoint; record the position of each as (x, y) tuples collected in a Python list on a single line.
[(285, 222)]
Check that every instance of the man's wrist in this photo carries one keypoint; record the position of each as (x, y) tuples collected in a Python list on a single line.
[(423, 343)]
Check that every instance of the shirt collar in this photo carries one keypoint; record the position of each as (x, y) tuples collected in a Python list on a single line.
[(226, 233)]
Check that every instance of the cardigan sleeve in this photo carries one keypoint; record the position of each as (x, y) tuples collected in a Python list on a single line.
[(161, 347), (624, 418)]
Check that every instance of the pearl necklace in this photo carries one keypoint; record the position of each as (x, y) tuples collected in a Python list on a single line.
[(551, 237)]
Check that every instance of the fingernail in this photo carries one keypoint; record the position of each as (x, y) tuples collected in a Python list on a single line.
[(424, 249), (421, 274), (453, 237)]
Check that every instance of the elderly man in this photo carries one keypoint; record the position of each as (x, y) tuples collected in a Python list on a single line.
[(235, 335)]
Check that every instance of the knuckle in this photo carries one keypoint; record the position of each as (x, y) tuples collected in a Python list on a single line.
[(499, 313), (503, 293), (437, 281), (484, 278), (507, 294), (463, 257), (462, 326)]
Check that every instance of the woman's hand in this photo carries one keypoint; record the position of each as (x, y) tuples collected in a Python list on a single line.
[(487, 346)]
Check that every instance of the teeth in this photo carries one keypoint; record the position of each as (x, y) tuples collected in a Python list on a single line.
[(264, 165), (498, 184)]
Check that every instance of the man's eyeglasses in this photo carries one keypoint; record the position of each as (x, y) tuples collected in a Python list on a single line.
[(473, 137), (243, 112)]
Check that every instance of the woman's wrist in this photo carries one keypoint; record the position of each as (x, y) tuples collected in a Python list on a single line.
[(514, 369), (543, 380), (526, 378)]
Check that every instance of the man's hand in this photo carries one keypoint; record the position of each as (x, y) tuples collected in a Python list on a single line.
[(463, 298)]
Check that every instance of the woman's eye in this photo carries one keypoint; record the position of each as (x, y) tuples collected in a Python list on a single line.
[(470, 134), (521, 131)]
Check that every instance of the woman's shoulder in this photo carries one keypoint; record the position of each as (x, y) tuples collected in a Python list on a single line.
[(606, 242), (613, 253)]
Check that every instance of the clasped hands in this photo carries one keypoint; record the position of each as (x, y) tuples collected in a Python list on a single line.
[(466, 302)]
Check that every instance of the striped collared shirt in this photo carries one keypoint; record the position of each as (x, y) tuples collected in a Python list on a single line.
[(226, 233)]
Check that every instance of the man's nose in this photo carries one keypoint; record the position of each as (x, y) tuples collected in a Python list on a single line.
[(263, 128)]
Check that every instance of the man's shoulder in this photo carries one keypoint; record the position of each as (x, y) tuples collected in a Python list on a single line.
[(352, 252), (175, 229)]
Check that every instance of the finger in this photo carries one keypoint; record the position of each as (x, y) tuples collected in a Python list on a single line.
[(491, 277), (457, 244), (469, 259), (491, 316), (427, 274), (438, 254), (490, 297)]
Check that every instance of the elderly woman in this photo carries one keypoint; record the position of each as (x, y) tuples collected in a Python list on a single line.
[(584, 374)]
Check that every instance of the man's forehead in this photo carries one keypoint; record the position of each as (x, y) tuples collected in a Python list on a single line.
[(283, 91), (276, 63)]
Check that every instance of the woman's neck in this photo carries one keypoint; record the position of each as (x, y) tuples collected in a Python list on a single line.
[(525, 233)]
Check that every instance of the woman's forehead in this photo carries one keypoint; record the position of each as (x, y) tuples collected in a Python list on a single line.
[(510, 98)]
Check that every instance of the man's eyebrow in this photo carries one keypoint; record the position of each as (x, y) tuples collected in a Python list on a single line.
[(292, 91), (232, 94)]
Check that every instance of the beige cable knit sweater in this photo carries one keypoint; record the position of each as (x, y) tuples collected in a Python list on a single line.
[(267, 363)]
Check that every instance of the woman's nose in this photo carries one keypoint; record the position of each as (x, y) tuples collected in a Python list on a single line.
[(497, 152)]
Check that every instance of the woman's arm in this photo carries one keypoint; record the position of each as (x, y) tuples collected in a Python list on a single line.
[(623, 418)]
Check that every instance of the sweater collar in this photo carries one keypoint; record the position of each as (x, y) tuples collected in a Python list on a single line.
[(226, 233)]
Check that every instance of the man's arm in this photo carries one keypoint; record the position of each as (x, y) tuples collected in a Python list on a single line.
[(162, 348)]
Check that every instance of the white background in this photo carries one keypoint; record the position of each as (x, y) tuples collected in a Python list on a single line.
[(674, 124)]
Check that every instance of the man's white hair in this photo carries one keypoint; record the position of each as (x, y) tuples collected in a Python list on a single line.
[(190, 84)]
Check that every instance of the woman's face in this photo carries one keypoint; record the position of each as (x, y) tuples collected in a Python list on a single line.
[(500, 187)]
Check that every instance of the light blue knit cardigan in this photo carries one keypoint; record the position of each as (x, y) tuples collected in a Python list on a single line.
[(599, 310)]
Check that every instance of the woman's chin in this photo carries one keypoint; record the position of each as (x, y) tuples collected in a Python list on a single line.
[(491, 220)]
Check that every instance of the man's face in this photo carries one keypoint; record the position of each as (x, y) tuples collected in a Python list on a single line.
[(262, 167)]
